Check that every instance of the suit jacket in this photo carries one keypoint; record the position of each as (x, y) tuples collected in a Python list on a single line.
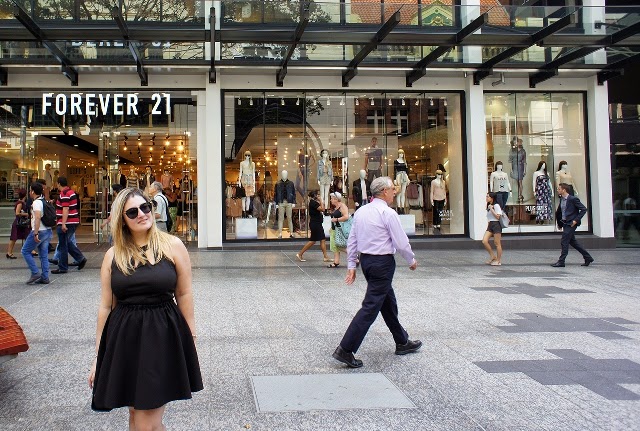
[(357, 192), (574, 211)]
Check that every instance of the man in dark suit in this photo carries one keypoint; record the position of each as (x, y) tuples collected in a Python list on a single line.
[(568, 216)]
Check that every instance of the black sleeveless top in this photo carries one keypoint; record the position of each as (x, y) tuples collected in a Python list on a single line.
[(147, 285)]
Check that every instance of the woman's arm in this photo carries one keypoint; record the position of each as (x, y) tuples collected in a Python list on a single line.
[(345, 213), (184, 293), (107, 302), (19, 209)]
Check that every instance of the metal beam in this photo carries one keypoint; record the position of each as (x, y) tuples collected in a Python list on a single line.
[(617, 69), (538, 37), (35, 30), (420, 69), (543, 75), (386, 28), (116, 14), (4, 76), (297, 35), (212, 44)]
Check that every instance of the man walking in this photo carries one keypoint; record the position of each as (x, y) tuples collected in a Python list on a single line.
[(160, 212), (67, 215), (38, 238), (377, 234), (568, 216)]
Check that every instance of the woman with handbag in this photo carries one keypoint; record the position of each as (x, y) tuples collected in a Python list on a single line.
[(316, 209), (494, 229), (21, 224), (339, 215)]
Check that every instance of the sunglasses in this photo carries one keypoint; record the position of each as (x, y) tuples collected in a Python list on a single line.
[(132, 213)]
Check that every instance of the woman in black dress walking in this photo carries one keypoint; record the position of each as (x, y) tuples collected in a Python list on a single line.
[(316, 211), (145, 338)]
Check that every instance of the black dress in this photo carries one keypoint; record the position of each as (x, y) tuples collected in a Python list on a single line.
[(147, 356), (315, 222)]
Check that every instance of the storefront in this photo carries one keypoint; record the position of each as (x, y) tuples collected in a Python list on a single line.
[(450, 101)]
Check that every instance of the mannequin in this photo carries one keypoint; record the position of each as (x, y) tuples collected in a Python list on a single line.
[(285, 193), (373, 161), (361, 190), (132, 178), (518, 160), (247, 179), (122, 178), (166, 179), (564, 176), (438, 198), (543, 191), (48, 178), (402, 179), (325, 176), (500, 185), (147, 179)]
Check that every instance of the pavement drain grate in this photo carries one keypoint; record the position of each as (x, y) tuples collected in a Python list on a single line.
[(327, 392), (602, 376), (531, 290)]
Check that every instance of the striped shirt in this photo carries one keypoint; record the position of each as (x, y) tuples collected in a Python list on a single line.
[(68, 199)]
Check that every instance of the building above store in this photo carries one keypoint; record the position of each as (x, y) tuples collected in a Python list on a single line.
[(413, 39)]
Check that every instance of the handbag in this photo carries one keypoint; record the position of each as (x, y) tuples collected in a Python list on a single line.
[(23, 222), (342, 233), (504, 220)]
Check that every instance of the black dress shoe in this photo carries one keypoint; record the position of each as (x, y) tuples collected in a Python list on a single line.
[(347, 358), (558, 265), (53, 261), (82, 263), (58, 271), (587, 261), (410, 347)]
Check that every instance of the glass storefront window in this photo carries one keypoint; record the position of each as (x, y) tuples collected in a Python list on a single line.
[(535, 141), (341, 141)]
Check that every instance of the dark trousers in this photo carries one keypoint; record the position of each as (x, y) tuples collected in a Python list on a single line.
[(66, 247), (438, 206), (378, 271), (372, 174), (569, 239), (501, 199)]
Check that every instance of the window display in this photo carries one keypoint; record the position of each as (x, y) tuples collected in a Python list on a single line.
[(533, 133), (341, 142)]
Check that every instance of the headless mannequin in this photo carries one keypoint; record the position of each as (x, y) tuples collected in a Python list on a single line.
[(325, 176), (564, 176), (247, 179), (499, 184), (402, 179), (438, 198), (285, 201)]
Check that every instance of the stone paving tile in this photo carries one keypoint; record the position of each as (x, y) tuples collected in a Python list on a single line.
[(264, 313)]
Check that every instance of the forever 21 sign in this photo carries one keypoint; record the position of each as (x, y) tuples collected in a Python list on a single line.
[(93, 103)]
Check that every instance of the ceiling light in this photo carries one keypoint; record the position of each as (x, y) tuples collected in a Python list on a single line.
[(417, 102), (265, 100), (357, 102), (282, 102), (389, 102), (139, 137), (239, 101), (430, 102), (328, 101), (373, 102), (403, 102), (250, 101), (342, 101), (298, 101)]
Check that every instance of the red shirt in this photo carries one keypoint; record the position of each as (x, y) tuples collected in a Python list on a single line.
[(69, 199)]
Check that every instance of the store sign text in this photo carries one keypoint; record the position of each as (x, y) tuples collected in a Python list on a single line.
[(92, 103)]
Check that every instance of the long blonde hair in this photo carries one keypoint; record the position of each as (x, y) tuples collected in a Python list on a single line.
[(127, 254)]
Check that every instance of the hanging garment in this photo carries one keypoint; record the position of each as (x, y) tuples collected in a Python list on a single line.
[(544, 210)]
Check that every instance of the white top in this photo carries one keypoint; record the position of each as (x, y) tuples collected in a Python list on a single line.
[(363, 187), (499, 182), (497, 210), (37, 206), (565, 177), (247, 169), (161, 207)]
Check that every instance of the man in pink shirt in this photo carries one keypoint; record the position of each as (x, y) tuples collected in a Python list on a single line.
[(376, 234)]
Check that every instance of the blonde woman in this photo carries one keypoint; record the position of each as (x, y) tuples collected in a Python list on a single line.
[(145, 337), (339, 214)]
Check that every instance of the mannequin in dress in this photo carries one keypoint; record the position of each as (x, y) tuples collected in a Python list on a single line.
[(402, 179), (564, 176), (500, 185), (438, 198), (247, 179), (361, 190), (132, 178), (325, 176), (543, 191), (285, 193)]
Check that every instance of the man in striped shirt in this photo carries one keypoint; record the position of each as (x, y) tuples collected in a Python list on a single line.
[(68, 217)]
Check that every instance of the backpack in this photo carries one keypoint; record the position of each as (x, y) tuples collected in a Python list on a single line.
[(412, 191), (48, 214), (169, 222)]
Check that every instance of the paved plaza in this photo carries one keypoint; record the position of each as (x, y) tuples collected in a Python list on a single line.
[(518, 347)]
